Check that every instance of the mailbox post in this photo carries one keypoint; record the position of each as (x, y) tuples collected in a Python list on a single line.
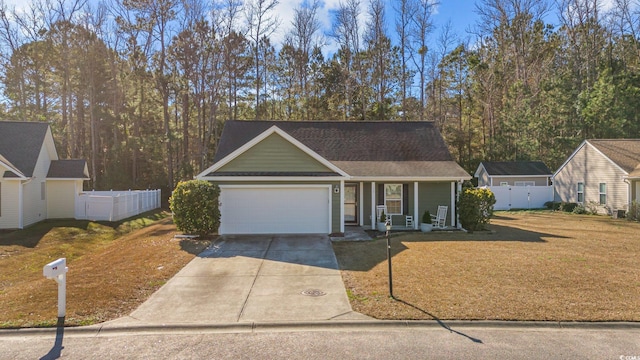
[(57, 270)]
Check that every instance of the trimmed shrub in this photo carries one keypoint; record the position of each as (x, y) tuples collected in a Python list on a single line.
[(592, 207), (552, 205), (195, 207), (568, 207), (579, 209), (426, 217), (383, 217), (634, 211), (475, 208)]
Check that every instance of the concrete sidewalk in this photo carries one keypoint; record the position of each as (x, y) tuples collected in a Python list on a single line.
[(240, 279)]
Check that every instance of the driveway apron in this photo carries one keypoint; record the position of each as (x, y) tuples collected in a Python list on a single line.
[(259, 278)]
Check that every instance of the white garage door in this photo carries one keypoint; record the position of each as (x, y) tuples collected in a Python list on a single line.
[(304, 209)]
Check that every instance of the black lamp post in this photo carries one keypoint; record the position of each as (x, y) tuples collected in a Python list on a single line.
[(388, 225)]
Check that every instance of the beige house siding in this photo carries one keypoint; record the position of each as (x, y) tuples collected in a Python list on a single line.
[(511, 180), (34, 203), (274, 153), (61, 198), (592, 168), (9, 199)]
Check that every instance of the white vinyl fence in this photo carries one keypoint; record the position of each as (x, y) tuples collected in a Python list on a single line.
[(115, 205), (521, 197)]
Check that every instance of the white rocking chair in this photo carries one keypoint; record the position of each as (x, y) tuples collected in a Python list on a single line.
[(440, 219)]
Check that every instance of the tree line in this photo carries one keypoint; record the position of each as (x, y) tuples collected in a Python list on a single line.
[(141, 88)]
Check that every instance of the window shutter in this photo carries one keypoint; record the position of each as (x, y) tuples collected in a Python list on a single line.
[(405, 199), (380, 194)]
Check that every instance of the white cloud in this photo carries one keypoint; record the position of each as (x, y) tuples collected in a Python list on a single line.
[(285, 11)]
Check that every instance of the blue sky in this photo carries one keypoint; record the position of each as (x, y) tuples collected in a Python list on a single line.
[(460, 12)]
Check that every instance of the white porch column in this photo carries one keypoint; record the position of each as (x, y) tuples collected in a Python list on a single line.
[(342, 206), (359, 204), (373, 206), (20, 205), (416, 215), (453, 203), (458, 198)]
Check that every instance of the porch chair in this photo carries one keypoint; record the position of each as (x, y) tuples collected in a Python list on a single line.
[(408, 221), (440, 219), (379, 210)]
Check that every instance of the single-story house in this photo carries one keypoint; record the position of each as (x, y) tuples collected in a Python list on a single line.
[(516, 184), (34, 184), (318, 176), (513, 173), (601, 172)]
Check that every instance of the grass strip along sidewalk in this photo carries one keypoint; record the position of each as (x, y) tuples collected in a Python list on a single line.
[(113, 268), (530, 266)]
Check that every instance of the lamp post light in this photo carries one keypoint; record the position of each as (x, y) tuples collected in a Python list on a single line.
[(388, 225)]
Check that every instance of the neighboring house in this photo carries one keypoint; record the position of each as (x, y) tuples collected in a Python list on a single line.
[(513, 173), (317, 176), (601, 172), (34, 184), (516, 184)]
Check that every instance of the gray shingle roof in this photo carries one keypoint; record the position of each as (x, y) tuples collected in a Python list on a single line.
[(518, 168), (13, 172), (361, 148), (624, 152), (20, 143), (347, 141), (68, 169)]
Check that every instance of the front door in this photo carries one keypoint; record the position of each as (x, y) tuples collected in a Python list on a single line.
[(350, 203)]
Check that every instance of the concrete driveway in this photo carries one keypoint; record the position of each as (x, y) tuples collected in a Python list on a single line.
[(265, 278)]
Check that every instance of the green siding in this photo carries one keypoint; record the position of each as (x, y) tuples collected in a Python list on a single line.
[(335, 209), (431, 195), (335, 198), (274, 153), (366, 204)]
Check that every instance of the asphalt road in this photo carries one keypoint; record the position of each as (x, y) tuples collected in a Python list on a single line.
[(338, 341)]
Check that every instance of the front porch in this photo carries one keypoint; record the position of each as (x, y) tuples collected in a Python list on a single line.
[(359, 233), (361, 201)]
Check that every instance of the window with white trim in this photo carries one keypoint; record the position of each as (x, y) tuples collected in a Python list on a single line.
[(525, 183), (393, 198), (580, 192), (43, 190), (603, 193)]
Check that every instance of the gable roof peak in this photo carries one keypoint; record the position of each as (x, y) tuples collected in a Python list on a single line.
[(21, 142), (625, 153)]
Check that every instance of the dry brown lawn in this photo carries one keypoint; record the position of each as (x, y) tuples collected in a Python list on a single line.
[(113, 268), (531, 266)]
